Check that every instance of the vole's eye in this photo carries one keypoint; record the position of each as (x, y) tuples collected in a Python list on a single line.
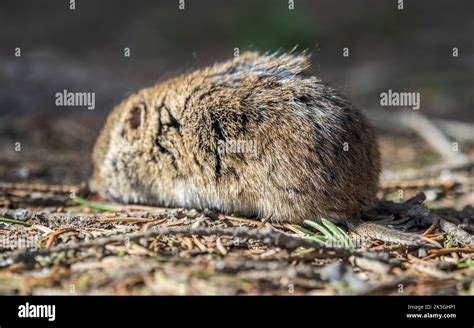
[(135, 118), (137, 114), (134, 122)]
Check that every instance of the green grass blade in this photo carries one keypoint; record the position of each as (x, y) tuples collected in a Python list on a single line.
[(13, 221), (302, 230), (339, 233), (466, 264), (93, 205), (350, 244), (320, 228), (302, 250)]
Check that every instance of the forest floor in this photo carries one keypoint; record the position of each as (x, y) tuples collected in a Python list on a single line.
[(56, 238)]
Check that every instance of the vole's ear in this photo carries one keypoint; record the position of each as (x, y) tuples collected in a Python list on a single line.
[(135, 119)]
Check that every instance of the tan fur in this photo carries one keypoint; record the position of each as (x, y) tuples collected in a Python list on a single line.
[(161, 145)]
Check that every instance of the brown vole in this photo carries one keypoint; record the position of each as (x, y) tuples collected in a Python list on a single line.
[(254, 135)]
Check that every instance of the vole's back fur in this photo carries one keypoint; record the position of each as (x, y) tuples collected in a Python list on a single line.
[(171, 144)]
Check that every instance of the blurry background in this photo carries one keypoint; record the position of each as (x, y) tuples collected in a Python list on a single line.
[(83, 50)]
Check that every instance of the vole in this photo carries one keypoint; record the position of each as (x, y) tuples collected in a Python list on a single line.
[(255, 135)]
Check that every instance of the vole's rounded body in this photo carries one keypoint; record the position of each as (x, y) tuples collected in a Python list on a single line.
[(253, 136)]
